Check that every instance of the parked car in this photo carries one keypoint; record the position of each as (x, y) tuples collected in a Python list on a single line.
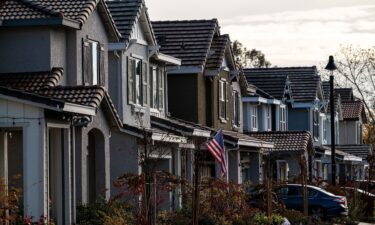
[(321, 204), (365, 197)]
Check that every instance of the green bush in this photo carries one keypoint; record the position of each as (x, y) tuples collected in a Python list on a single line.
[(262, 219), (104, 213)]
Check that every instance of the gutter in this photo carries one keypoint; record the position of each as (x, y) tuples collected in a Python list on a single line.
[(42, 22)]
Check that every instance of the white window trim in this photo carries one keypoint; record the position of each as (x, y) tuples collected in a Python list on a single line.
[(269, 118), (223, 99), (283, 118), (254, 117), (278, 162)]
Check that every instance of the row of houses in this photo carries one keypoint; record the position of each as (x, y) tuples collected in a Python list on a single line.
[(90, 88)]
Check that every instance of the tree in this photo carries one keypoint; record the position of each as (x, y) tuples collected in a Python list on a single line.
[(356, 69), (249, 58)]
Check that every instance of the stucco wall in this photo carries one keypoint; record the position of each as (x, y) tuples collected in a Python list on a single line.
[(103, 162), (31, 53)]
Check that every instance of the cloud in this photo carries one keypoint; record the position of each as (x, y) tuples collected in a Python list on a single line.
[(292, 37)]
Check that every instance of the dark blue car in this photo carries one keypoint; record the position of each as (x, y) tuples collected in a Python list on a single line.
[(321, 203)]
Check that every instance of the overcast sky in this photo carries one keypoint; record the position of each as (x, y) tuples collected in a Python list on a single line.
[(289, 32)]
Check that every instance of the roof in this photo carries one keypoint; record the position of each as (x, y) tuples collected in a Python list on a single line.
[(33, 81), (45, 83), (340, 155), (188, 40), (345, 93), (154, 133), (272, 85), (304, 81), (362, 151), (58, 12), (126, 13), (353, 110), (42, 87), (286, 141), (180, 127), (218, 49)]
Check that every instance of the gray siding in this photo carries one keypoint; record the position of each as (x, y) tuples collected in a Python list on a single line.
[(299, 119)]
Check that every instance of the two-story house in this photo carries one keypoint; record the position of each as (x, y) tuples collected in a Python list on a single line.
[(206, 89), (349, 135), (267, 119), (149, 141), (56, 114)]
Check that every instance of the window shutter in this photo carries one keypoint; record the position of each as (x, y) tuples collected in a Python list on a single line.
[(220, 96), (161, 88), (87, 62), (144, 84), (131, 70), (102, 73), (228, 92)]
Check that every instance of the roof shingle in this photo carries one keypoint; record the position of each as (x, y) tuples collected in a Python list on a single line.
[(304, 81), (286, 141), (188, 40), (352, 110), (217, 52)]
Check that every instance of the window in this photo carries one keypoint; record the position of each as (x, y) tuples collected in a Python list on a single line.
[(254, 118), (316, 124), (93, 63), (236, 108), (157, 87), (137, 82), (223, 99), (324, 121), (282, 118), (282, 170), (359, 134), (268, 118)]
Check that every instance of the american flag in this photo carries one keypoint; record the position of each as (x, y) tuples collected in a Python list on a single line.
[(216, 148)]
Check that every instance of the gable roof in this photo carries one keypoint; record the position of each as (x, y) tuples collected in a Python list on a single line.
[(353, 110), (345, 93), (73, 13), (126, 14), (272, 85), (304, 81), (286, 141), (188, 40), (362, 151), (41, 87), (218, 52)]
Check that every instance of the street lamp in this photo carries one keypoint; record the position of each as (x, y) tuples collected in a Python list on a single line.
[(332, 67)]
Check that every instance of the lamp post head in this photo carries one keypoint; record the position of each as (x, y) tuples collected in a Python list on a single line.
[(331, 66)]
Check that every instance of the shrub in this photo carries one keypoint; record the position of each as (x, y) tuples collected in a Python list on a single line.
[(104, 213), (262, 219)]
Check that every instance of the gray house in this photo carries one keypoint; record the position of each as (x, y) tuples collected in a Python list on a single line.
[(56, 114), (211, 87), (349, 140)]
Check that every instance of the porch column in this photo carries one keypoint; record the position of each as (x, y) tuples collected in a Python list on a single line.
[(234, 166), (4, 157), (177, 198), (35, 170)]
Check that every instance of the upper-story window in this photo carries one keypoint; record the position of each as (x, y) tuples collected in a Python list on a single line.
[(316, 116), (93, 63), (268, 118), (283, 118), (223, 99), (157, 87), (254, 118), (137, 82), (359, 134), (236, 108), (324, 121)]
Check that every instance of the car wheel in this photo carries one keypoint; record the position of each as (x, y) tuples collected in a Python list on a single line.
[(317, 212)]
